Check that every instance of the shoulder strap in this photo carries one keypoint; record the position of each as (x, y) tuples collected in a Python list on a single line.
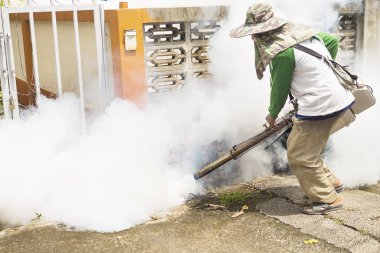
[(310, 51), (330, 62)]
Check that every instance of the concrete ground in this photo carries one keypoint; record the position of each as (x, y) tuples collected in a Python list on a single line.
[(272, 223)]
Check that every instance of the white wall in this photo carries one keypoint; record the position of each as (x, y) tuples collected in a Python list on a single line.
[(18, 49), (372, 29)]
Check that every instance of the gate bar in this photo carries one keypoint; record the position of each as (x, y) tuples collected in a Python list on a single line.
[(79, 63), (34, 56), (56, 49), (104, 55), (4, 78), (99, 54), (49, 8), (12, 79), (11, 70)]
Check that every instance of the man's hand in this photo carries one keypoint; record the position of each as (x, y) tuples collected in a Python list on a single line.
[(271, 121)]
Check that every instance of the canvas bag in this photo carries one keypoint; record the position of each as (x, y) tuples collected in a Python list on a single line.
[(363, 94)]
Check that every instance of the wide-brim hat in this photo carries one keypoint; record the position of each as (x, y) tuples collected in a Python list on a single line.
[(259, 19)]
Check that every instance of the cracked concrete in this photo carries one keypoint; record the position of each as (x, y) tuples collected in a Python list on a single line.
[(356, 227), (320, 226), (272, 223)]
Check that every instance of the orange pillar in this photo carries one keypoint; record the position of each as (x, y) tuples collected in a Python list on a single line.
[(128, 67)]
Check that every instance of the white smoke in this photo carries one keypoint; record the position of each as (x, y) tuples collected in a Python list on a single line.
[(112, 177), (131, 163)]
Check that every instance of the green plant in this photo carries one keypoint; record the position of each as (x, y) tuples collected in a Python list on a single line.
[(233, 198), (363, 232), (336, 220)]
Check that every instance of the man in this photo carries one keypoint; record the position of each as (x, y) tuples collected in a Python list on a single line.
[(321, 98)]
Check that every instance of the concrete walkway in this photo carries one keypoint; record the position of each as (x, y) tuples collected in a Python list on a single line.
[(356, 227), (272, 223)]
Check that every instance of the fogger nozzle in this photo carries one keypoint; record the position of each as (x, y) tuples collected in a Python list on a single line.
[(240, 149), (213, 166)]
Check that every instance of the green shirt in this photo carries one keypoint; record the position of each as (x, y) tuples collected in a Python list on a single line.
[(281, 71)]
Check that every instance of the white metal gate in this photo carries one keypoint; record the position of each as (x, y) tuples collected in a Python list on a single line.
[(7, 63)]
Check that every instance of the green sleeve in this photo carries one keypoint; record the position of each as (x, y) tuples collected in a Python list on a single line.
[(281, 70), (331, 43)]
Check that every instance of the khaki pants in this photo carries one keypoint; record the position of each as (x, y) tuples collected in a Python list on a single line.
[(305, 144)]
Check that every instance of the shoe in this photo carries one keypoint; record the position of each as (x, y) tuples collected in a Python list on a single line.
[(323, 208), (317, 209), (339, 188)]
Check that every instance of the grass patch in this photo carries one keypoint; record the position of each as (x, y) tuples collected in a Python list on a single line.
[(363, 232), (336, 220), (234, 198)]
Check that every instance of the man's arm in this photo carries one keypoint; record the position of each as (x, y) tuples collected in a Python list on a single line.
[(281, 69), (331, 43)]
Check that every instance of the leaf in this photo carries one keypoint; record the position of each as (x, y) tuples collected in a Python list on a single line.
[(311, 241), (241, 212), (237, 214), (215, 207), (245, 207)]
